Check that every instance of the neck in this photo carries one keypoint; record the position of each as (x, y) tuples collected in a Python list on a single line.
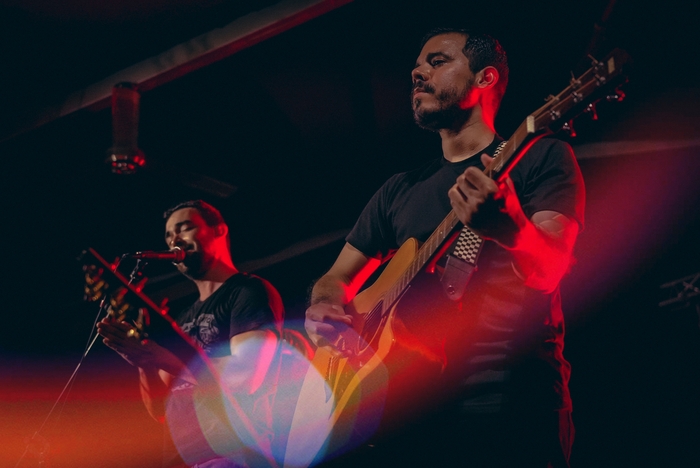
[(214, 278), (467, 140)]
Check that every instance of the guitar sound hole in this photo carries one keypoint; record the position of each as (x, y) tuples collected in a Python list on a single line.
[(369, 330)]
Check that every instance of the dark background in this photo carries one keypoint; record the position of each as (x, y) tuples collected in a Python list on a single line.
[(306, 126)]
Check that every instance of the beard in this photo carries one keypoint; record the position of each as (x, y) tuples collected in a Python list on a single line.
[(448, 115), (193, 266)]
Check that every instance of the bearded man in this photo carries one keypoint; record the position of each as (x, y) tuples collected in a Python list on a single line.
[(237, 323), (505, 398)]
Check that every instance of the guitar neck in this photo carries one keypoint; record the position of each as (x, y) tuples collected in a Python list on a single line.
[(514, 148), (507, 155), (580, 96), (425, 253)]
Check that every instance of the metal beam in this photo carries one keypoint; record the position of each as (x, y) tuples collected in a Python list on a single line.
[(619, 148), (196, 53)]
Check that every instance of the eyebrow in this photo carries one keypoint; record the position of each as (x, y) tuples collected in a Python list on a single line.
[(432, 55)]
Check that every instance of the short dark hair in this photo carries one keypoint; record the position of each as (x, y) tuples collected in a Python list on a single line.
[(211, 216), (482, 51)]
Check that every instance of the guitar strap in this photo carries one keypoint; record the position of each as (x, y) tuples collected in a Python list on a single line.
[(462, 258)]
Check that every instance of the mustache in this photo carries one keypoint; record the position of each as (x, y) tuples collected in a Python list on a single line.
[(422, 86)]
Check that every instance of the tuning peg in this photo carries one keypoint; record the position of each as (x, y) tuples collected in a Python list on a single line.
[(91, 295), (164, 305), (568, 127), (591, 109), (617, 96), (596, 63), (141, 284), (574, 82)]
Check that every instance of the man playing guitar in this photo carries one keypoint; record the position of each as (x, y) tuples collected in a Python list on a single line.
[(505, 385), (237, 323)]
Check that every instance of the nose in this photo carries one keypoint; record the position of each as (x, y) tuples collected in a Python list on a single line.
[(176, 241), (419, 73)]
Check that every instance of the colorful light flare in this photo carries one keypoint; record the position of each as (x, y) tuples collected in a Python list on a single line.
[(86, 428)]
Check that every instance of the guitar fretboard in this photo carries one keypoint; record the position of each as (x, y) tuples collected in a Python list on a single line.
[(424, 254), (502, 155)]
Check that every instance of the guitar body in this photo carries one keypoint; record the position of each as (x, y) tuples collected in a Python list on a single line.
[(343, 400)]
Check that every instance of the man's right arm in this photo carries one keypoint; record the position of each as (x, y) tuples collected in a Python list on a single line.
[(326, 317)]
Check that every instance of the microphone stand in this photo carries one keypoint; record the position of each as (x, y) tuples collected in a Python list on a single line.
[(41, 447)]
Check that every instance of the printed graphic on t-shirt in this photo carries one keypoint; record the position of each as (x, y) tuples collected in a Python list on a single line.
[(203, 330)]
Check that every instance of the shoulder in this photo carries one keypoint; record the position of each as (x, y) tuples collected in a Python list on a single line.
[(187, 314), (407, 179), (421, 172), (555, 149), (545, 155), (548, 178), (387, 191), (552, 147), (393, 191), (255, 291), (246, 284)]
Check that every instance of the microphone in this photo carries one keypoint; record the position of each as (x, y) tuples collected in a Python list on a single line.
[(177, 255)]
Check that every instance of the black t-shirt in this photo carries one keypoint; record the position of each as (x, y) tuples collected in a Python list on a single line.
[(202, 426), (241, 304), (502, 332)]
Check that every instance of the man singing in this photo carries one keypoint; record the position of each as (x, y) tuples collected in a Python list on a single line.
[(237, 323)]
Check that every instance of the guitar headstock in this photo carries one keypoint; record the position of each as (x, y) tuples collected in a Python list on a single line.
[(601, 81), (123, 301)]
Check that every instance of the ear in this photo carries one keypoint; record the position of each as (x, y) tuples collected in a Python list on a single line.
[(487, 78), (221, 230)]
